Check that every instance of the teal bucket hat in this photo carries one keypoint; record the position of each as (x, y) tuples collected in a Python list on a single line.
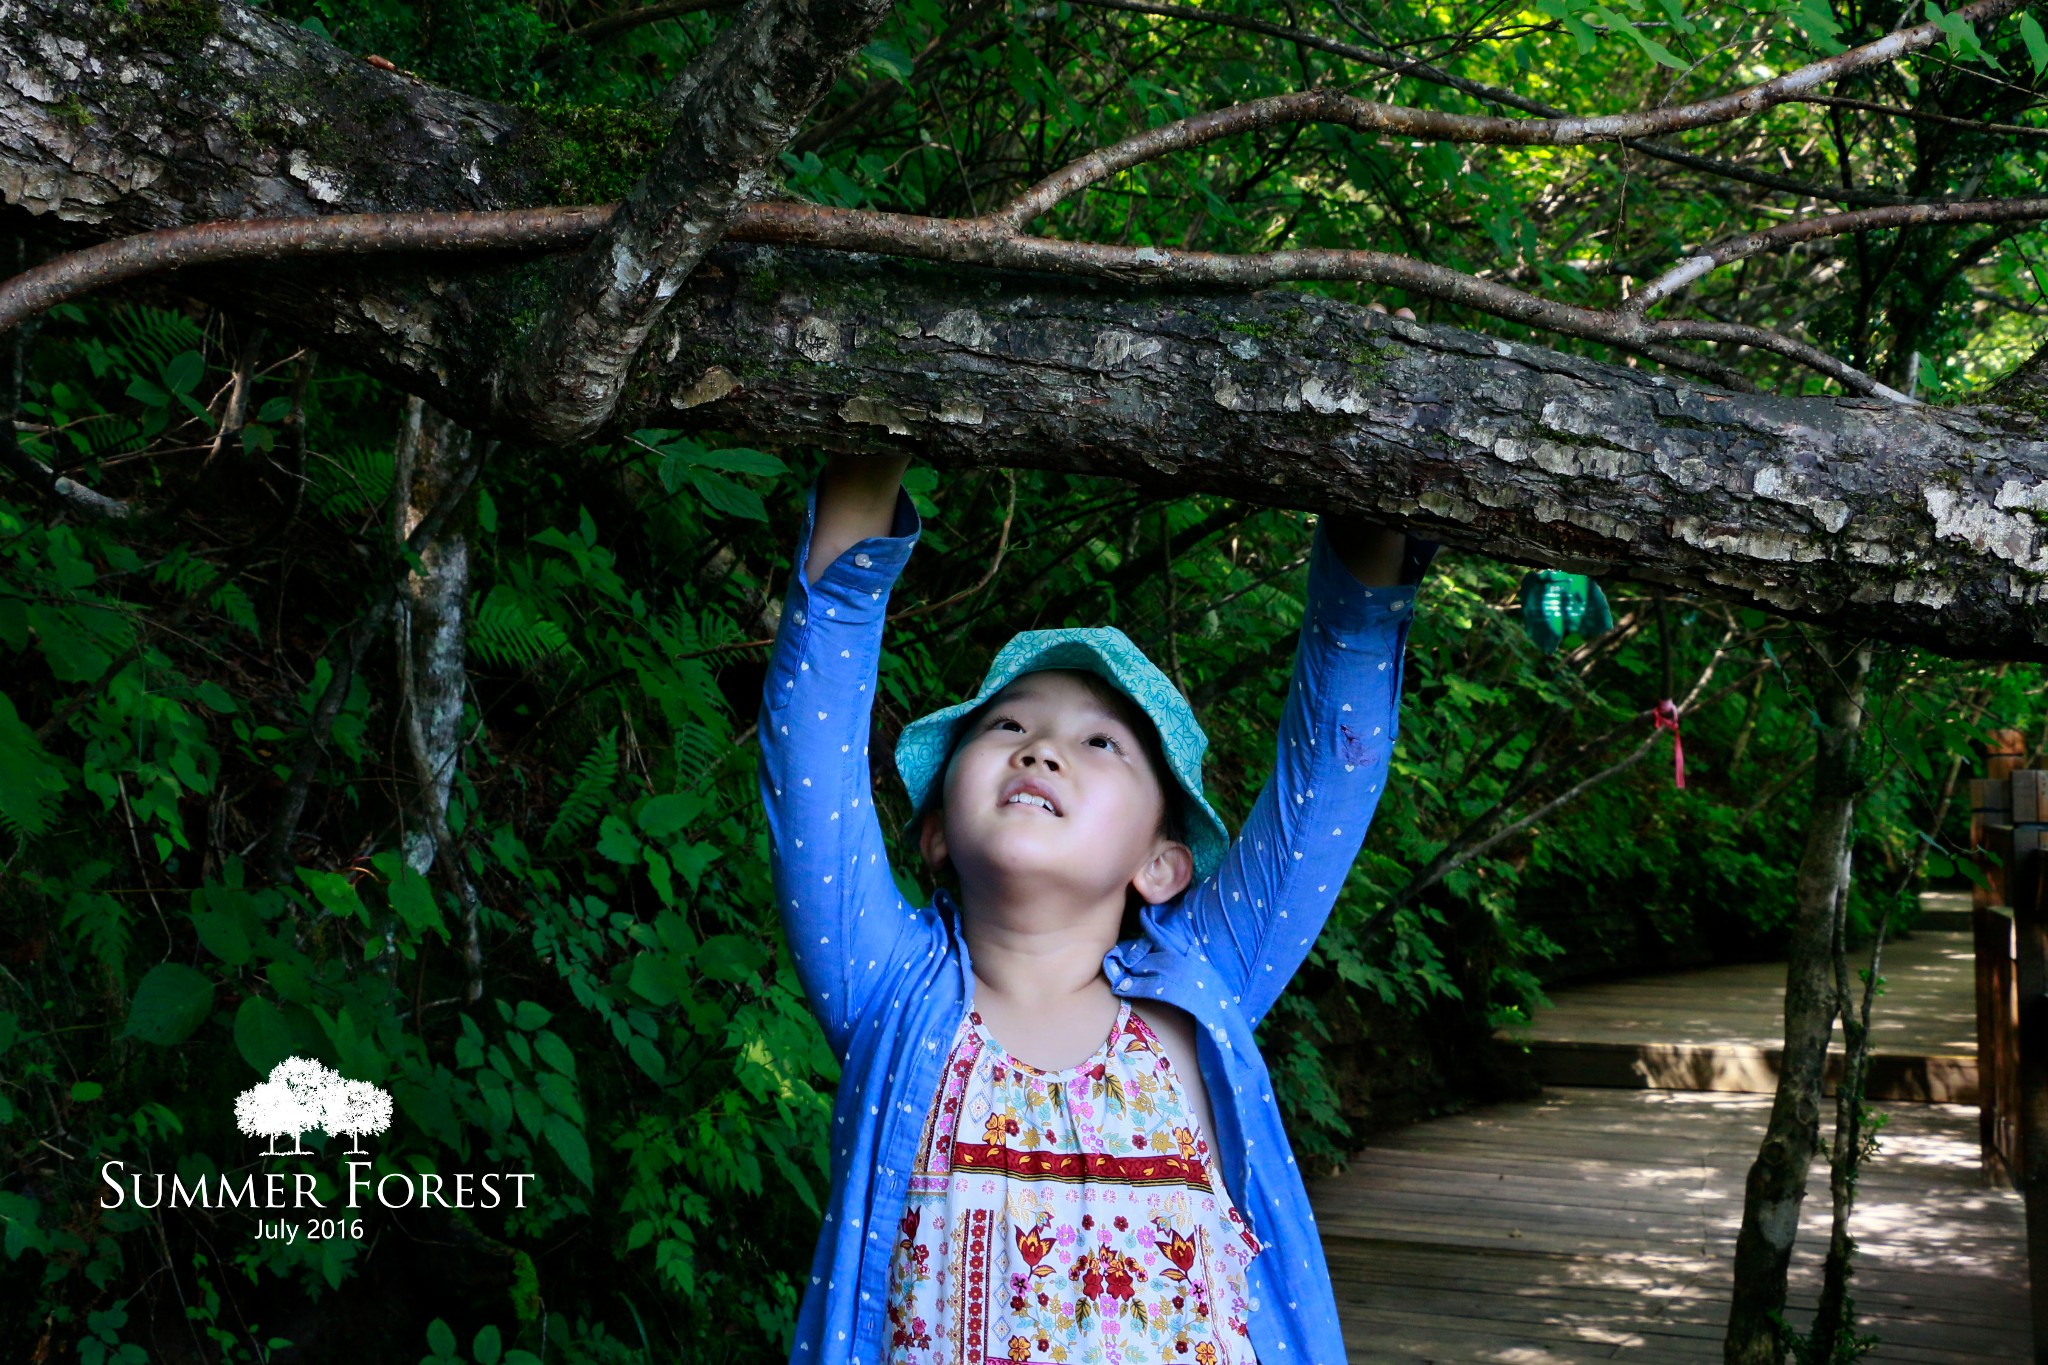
[(927, 742)]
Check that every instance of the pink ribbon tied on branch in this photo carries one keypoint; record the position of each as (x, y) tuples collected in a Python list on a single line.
[(1665, 717)]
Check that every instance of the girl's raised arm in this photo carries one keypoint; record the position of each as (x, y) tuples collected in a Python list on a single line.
[(844, 917), (1257, 916)]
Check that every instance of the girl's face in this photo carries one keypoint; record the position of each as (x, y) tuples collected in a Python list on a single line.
[(1046, 736)]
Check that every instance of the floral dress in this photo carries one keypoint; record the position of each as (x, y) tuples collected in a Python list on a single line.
[(1075, 1216)]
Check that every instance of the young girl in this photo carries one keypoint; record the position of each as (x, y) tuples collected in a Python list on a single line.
[(1054, 1138)]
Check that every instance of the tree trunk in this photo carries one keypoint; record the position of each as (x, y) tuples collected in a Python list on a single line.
[(1905, 523), (1834, 1325), (431, 649), (1776, 1186)]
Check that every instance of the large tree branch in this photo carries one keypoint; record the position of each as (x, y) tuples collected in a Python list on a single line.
[(743, 104), (1915, 524)]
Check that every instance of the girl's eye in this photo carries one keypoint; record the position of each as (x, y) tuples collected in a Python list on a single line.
[(1112, 742)]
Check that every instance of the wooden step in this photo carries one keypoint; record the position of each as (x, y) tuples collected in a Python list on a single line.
[(1740, 1068)]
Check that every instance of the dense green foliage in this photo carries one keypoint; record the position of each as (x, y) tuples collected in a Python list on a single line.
[(642, 1043)]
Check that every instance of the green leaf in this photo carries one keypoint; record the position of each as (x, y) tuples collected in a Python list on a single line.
[(616, 841), (184, 372), (1816, 19), (648, 1058), (261, 1034), (19, 1214), (2036, 41), (30, 780), (486, 512), (334, 892), (170, 1005), (79, 644), (142, 391), (728, 957), (487, 1348), (658, 979), (555, 1052), (222, 934), (440, 1338), (664, 817), (890, 60), (740, 460), (723, 495), (84, 1092), (411, 896), (570, 1146), (1961, 35), (215, 698), (530, 1016)]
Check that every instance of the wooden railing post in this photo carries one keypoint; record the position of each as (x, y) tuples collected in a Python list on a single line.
[(2024, 889), (1991, 824)]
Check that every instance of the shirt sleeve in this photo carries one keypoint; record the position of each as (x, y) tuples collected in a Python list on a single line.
[(1256, 916), (840, 907)]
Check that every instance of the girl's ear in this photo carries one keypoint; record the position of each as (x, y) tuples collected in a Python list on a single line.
[(931, 841), (1169, 872)]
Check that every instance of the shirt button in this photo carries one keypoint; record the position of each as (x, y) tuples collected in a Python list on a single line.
[(863, 560)]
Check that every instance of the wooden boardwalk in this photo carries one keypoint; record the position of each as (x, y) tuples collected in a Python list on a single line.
[(1599, 1223), (1721, 1029)]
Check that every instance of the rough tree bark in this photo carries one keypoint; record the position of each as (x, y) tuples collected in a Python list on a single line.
[(1908, 524), (1776, 1186), (431, 646)]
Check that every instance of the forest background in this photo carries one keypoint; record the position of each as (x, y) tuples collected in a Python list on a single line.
[(629, 1025)]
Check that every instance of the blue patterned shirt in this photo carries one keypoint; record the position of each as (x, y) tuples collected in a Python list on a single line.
[(890, 980)]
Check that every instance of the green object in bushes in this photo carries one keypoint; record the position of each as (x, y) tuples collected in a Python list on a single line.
[(1557, 604)]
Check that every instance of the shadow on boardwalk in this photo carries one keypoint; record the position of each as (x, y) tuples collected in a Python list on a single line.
[(1599, 1224)]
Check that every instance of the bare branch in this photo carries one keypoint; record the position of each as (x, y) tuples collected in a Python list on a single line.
[(1830, 225), (983, 242), (1998, 300), (1923, 116), (1322, 106), (972, 241), (1509, 99), (612, 25), (342, 234)]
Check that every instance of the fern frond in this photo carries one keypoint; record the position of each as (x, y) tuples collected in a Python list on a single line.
[(698, 752), (230, 601), (182, 571), (97, 922), (590, 790), (345, 484), (504, 632), (30, 780), (154, 335)]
